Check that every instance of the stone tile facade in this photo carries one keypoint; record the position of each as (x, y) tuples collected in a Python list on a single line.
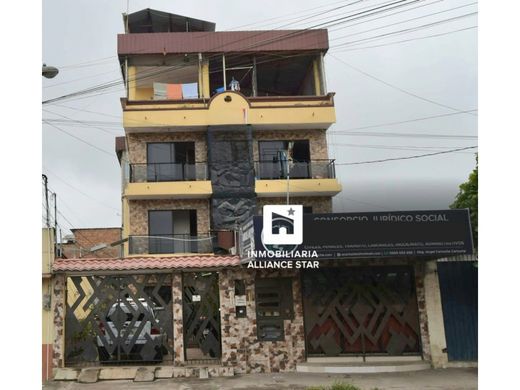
[(240, 347), (137, 144), (317, 140), (139, 213), (241, 350), (58, 309), (178, 344)]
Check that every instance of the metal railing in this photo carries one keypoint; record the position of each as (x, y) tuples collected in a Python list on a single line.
[(315, 169), (156, 172), (170, 243)]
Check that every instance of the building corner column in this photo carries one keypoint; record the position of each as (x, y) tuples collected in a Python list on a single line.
[(437, 337), (58, 309)]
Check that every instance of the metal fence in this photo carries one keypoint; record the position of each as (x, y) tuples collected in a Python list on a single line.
[(315, 169), (157, 172)]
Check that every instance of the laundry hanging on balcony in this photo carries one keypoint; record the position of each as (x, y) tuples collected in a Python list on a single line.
[(162, 91), (190, 91)]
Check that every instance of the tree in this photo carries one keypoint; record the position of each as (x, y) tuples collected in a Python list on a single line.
[(468, 198)]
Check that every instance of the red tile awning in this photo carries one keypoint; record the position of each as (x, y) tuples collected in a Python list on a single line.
[(145, 263)]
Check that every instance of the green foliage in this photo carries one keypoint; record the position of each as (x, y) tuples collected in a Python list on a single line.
[(468, 198), (335, 386)]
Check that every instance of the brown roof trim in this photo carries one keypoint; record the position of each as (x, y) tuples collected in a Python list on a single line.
[(222, 42)]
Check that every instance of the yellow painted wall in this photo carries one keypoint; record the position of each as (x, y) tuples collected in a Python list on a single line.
[(47, 319), (47, 261), (73, 295), (169, 189), (298, 187), (47, 249), (237, 111)]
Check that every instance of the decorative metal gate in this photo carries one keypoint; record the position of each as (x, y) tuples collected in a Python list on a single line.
[(201, 314), (361, 310), (118, 319)]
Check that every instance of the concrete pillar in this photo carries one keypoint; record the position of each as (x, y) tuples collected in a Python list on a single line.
[(58, 309), (435, 317)]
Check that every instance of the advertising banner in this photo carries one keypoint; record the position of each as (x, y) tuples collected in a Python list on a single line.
[(370, 234)]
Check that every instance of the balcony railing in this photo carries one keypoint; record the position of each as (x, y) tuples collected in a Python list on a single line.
[(315, 169), (156, 172), (170, 244)]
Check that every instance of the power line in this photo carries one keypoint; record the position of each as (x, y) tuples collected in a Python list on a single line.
[(80, 191), (407, 121), (80, 139), (407, 40), (378, 9), (405, 135), (406, 158), (403, 21), (399, 88), (412, 29)]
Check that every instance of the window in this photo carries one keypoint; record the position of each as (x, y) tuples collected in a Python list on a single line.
[(274, 304), (169, 230), (170, 161), (274, 156)]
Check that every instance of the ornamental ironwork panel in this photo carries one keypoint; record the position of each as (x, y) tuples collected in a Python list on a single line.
[(361, 310), (201, 316), (118, 319)]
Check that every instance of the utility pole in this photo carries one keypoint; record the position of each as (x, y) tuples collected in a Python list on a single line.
[(54, 197), (45, 180)]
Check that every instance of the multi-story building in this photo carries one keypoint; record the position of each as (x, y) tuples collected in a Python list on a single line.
[(215, 123), (218, 125)]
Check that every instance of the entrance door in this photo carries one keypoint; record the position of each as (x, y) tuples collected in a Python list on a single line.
[(459, 292), (201, 316), (361, 311)]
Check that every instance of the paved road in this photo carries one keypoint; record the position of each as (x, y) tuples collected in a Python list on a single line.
[(448, 379)]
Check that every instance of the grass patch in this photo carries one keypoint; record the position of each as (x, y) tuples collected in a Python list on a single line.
[(335, 386)]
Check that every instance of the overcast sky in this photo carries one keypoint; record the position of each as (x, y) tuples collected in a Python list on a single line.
[(377, 82)]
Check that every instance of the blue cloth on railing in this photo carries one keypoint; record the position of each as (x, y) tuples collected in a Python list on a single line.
[(219, 90), (190, 91)]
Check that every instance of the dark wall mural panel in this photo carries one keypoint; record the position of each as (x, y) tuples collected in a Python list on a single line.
[(118, 319), (231, 167), (459, 292), (360, 311)]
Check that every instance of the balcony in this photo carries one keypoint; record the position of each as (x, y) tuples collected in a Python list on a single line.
[(310, 178), (163, 180), (170, 244), (230, 108)]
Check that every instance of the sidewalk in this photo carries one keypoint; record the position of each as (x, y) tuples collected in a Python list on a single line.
[(448, 379)]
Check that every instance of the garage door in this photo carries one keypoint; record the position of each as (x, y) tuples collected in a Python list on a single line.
[(459, 292), (361, 311)]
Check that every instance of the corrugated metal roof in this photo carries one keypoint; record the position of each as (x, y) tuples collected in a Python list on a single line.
[(152, 21), (144, 263), (222, 41)]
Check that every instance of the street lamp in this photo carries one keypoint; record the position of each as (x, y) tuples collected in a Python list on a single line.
[(49, 71)]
